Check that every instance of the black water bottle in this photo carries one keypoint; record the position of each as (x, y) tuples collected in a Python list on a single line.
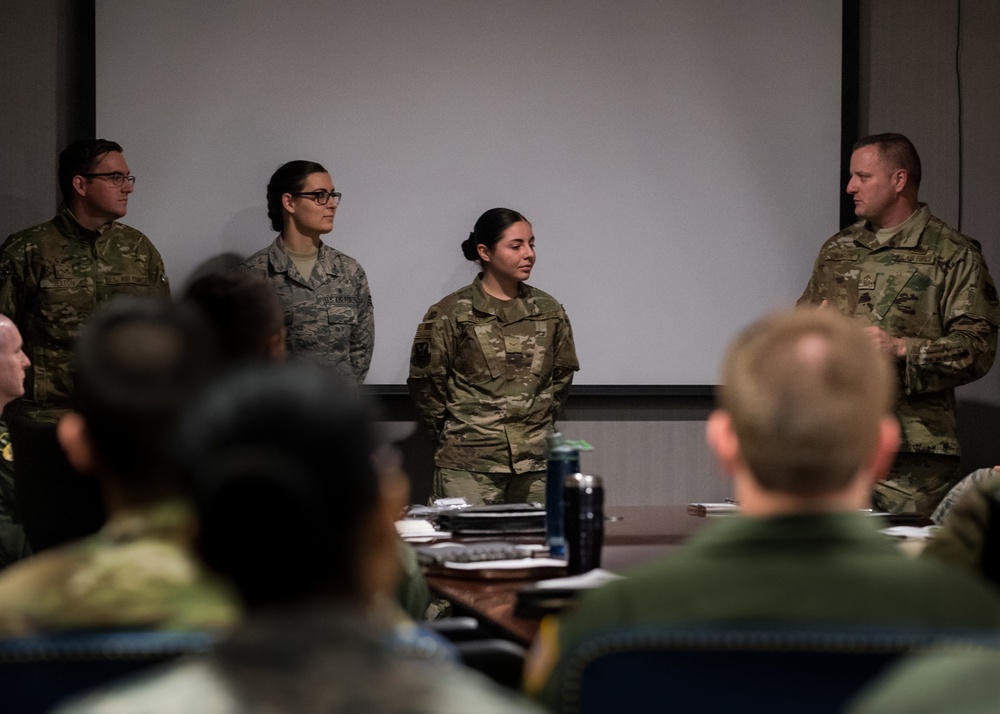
[(583, 521)]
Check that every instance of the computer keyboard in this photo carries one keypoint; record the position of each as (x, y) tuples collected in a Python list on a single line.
[(470, 553)]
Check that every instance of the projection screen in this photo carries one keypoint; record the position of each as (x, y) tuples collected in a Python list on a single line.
[(679, 159)]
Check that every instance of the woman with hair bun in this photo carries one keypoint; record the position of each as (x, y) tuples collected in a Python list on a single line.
[(328, 308), (490, 367)]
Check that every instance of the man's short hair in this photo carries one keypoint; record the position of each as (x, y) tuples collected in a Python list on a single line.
[(242, 308), (81, 157), (137, 364), (287, 448), (897, 151), (806, 392)]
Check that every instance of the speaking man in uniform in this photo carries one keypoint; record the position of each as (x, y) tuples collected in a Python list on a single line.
[(926, 299)]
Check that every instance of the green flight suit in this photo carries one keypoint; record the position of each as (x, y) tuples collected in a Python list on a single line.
[(824, 569)]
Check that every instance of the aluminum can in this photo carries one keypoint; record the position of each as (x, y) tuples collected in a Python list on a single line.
[(563, 460), (583, 515)]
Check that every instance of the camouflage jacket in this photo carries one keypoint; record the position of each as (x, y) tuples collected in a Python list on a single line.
[(52, 278), (13, 542), (329, 317), (137, 571), (308, 659), (929, 285), (488, 377)]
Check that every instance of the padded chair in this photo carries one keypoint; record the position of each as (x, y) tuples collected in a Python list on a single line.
[(500, 660), (710, 669), (38, 672)]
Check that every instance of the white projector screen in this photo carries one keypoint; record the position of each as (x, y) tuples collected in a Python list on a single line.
[(679, 159)]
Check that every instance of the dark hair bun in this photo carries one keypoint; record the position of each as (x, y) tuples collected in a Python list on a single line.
[(488, 230), (469, 247)]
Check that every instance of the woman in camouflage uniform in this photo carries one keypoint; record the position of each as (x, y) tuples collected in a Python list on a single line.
[(491, 365), (324, 293)]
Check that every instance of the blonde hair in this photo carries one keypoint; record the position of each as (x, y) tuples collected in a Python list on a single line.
[(805, 392)]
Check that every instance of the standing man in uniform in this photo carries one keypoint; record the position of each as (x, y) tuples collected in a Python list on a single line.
[(13, 362), (54, 275), (927, 300)]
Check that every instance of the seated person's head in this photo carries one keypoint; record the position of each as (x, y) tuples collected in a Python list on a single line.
[(246, 314), (137, 363), (805, 407), (290, 502)]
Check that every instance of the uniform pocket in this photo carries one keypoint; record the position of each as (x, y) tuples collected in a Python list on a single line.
[(65, 304), (881, 287), (342, 315), (477, 360)]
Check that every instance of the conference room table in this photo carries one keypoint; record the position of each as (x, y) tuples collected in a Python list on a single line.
[(633, 535)]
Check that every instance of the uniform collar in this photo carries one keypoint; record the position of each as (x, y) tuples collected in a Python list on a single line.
[(67, 224), (506, 310), (907, 237), (795, 532), (170, 519), (326, 266)]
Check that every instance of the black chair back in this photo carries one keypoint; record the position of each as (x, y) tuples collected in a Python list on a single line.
[(709, 669), (40, 671)]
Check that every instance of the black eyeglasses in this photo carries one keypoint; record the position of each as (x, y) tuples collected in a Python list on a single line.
[(117, 178), (321, 197)]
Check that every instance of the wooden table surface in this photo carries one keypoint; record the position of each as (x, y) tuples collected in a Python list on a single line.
[(633, 535)]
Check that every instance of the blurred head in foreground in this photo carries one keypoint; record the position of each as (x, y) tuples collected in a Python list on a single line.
[(138, 363), (288, 450), (804, 419), (245, 313)]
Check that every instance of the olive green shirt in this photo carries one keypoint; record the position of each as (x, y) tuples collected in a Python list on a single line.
[(488, 377), (823, 569), (52, 279), (929, 285)]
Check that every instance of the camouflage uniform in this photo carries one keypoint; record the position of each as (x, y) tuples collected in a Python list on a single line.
[(930, 286), (966, 522), (308, 660), (13, 543), (52, 278), (137, 571), (488, 377), (329, 316)]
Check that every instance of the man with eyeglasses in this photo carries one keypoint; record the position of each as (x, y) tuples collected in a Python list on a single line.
[(54, 275)]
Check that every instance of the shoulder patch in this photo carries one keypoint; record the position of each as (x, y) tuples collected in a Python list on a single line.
[(990, 293)]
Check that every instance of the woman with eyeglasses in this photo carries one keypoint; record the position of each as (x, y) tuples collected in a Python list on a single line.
[(491, 365), (328, 308)]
